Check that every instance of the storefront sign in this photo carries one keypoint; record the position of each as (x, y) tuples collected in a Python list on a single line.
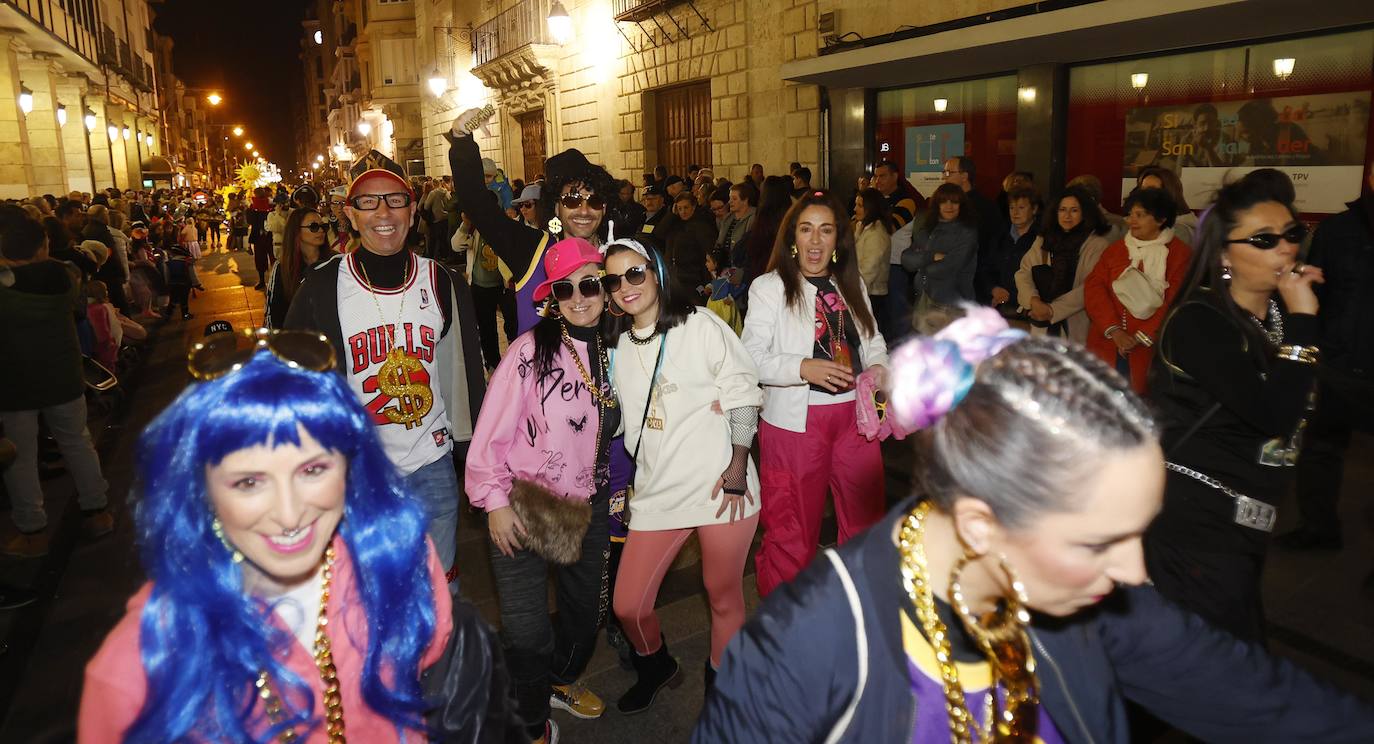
[(927, 149), (1318, 140)]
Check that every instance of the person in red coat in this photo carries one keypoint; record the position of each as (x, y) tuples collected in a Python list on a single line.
[(1130, 290)]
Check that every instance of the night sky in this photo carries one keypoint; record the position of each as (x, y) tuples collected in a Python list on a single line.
[(247, 50)]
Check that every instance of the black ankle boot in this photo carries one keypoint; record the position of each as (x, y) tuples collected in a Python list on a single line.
[(710, 677), (655, 671)]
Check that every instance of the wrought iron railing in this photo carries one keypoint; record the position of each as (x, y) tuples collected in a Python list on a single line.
[(523, 24), (73, 22)]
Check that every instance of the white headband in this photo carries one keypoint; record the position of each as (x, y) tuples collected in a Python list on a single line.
[(630, 243)]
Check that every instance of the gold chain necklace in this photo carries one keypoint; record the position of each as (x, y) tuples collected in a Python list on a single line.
[(652, 420), (592, 387), (1015, 723), (324, 660), (413, 400)]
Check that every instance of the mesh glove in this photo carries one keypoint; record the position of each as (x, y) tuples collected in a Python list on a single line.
[(736, 475)]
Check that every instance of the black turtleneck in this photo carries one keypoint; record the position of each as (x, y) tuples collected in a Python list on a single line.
[(611, 416), (389, 272)]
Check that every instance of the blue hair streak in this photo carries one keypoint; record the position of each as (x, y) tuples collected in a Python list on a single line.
[(203, 641)]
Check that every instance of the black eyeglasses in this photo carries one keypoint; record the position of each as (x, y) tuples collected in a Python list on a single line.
[(573, 200), (314, 227), (634, 275), (369, 202), (588, 286), (227, 352), (1266, 241)]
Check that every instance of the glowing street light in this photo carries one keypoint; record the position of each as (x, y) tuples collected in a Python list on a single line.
[(25, 99), (214, 99), (256, 155), (1283, 67), (941, 104), (113, 131), (319, 158), (364, 128), (248, 146), (90, 120), (61, 115), (1139, 80), (126, 134), (560, 23), (149, 139), (238, 131), (314, 166), (438, 84)]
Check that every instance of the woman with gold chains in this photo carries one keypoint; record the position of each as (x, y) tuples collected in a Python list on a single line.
[(292, 594), (1008, 600)]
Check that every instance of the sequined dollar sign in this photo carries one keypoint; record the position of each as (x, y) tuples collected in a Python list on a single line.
[(413, 400)]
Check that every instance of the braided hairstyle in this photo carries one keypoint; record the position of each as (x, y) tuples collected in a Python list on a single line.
[(1009, 419)]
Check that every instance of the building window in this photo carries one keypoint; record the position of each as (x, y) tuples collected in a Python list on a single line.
[(1299, 105), (920, 128)]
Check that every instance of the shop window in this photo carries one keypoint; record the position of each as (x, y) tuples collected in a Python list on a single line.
[(919, 128), (1300, 105)]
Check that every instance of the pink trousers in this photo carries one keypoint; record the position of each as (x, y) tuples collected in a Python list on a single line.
[(797, 471), (647, 556)]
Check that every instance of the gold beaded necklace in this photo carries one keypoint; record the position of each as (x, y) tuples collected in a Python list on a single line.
[(1015, 723), (324, 660), (592, 387)]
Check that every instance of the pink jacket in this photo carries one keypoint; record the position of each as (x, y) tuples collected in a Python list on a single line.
[(116, 685), (541, 428)]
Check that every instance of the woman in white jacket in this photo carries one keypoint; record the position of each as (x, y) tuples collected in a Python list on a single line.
[(811, 334)]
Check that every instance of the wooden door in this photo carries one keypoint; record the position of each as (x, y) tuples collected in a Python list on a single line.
[(532, 143), (683, 116)]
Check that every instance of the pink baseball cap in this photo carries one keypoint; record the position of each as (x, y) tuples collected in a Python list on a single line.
[(562, 259)]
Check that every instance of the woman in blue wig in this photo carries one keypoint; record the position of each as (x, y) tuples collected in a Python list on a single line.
[(291, 592)]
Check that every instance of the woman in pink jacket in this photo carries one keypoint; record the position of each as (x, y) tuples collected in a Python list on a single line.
[(538, 466)]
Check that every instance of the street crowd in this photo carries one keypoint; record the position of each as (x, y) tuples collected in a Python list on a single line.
[(1103, 412)]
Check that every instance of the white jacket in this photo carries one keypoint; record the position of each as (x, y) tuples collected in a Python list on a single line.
[(780, 337)]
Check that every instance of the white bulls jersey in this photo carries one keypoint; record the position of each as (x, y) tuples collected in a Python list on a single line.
[(401, 393)]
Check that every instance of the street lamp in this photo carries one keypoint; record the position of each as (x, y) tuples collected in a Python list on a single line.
[(941, 104), (214, 99), (438, 84), (255, 154), (364, 128), (238, 131), (61, 115), (560, 23), (314, 166), (319, 158), (113, 131), (149, 139), (248, 146), (1283, 67), (126, 134), (90, 120), (1139, 80), (25, 99)]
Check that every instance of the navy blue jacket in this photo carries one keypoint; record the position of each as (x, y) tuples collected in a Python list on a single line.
[(791, 672)]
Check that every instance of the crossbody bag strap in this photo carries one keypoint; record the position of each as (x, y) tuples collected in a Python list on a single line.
[(658, 364), (1206, 416)]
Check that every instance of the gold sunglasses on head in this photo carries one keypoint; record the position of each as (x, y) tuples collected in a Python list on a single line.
[(223, 353)]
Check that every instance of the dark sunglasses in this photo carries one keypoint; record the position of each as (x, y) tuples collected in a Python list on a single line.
[(635, 276), (574, 200), (225, 352), (315, 227), (524, 204), (1266, 241), (589, 286), (369, 202)]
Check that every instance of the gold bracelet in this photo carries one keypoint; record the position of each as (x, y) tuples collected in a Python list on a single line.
[(1302, 354)]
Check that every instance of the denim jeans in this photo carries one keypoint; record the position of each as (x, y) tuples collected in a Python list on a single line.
[(67, 423), (436, 487), (539, 652)]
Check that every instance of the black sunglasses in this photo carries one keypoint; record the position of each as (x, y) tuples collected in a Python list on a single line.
[(635, 276), (227, 352), (572, 200), (1266, 241), (588, 286), (369, 202), (315, 227)]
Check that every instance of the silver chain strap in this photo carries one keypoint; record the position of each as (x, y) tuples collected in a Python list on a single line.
[(1252, 513)]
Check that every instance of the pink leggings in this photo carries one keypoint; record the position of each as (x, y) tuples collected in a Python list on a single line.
[(648, 554)]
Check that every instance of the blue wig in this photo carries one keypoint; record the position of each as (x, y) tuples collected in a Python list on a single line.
[(203, 640)]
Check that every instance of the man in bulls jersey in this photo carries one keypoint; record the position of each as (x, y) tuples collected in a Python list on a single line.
[(404, 329)]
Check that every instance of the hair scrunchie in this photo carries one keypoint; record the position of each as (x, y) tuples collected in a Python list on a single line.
[(931, 375)]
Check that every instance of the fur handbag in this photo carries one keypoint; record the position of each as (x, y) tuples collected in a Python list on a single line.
[(554, 527)]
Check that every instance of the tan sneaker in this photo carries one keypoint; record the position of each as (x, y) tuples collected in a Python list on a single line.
[(577, 700), (25, 545), (97, 524)]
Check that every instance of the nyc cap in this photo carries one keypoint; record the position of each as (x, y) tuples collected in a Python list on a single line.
[(376, 165)]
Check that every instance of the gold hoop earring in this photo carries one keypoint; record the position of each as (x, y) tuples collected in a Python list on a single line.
[(551, 310), (218, 528), (794, 250), (996, 628), (834, 257), (611, 308)]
